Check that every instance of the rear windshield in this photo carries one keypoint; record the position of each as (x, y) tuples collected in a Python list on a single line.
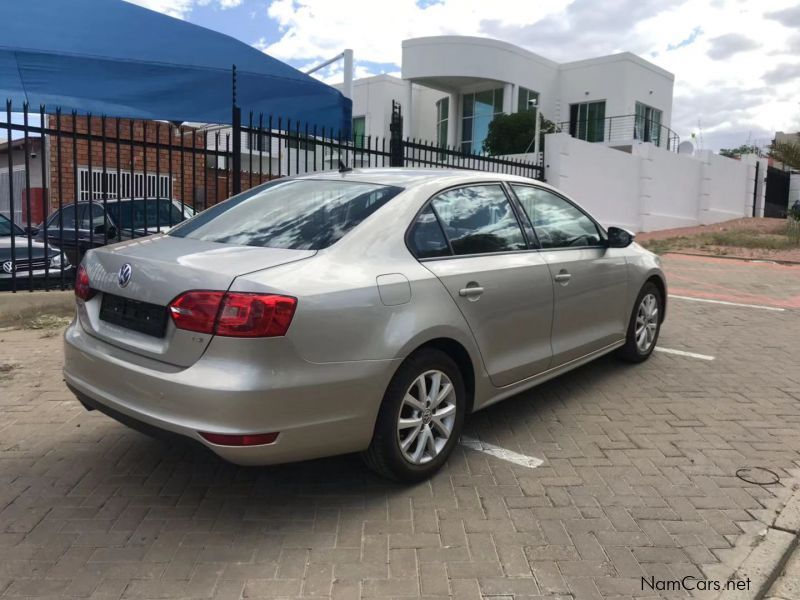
[(304, 214), (138, 214)]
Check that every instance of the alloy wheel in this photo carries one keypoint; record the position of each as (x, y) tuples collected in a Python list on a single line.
[(426, 418), (646, 323)]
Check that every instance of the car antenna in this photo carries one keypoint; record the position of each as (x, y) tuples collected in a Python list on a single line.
[(343, 168)]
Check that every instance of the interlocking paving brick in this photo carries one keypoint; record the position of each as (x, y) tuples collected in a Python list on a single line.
[(638, 479)]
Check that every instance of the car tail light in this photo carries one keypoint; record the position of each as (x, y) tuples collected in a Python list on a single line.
[(83, 288), (233, 314), (249, 439), (255, 315), (196, 311)]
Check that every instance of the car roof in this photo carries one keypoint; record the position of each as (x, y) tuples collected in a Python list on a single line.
[(411, 177)]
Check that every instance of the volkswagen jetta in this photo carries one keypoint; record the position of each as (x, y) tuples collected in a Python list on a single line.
[(366, 311)]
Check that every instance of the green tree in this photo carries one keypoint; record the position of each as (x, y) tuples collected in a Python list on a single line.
[(513, 134), (786, 152), (743, 149)]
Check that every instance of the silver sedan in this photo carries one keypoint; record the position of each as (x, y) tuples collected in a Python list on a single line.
[(366, 311)]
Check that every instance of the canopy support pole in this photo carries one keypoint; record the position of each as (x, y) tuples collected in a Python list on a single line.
[(236, 140)]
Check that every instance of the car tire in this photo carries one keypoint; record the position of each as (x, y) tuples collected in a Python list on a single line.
[(394, 452), (635, 350)]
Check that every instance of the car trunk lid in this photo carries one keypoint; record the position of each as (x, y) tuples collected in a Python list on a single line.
[(133, 315)]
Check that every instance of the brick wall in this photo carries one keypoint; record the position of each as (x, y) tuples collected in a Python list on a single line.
[(192, 180)]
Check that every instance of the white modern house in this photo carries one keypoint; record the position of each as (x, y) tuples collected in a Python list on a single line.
[(453, 86)]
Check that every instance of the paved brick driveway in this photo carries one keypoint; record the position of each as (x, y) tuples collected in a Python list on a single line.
[(638, 479)]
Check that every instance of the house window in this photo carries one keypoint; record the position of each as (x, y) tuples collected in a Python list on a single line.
[(442, 117), (479, 110), (647, 126), (359, 131), (587, 121), (112, 184), (524, 99)]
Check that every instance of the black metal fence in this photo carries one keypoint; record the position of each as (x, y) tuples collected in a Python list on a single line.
[(69, 183)]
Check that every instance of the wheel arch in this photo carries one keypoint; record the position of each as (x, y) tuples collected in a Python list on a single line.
[(461, 356), (658, 280)]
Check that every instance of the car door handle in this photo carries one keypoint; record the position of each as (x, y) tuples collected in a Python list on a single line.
[(563, 277), (470, 292)]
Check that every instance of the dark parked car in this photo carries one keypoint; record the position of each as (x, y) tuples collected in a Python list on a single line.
[(29, 259), (81, 226)]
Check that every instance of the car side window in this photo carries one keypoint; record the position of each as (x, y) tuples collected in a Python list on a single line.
[(91, 216), (479, 219), (65, 217), (557, 223), (426, 239)]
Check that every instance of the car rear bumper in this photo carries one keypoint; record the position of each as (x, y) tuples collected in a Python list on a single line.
[(318, 409)]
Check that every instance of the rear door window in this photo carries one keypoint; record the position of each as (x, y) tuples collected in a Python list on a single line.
[(479, 219), (301, 214)]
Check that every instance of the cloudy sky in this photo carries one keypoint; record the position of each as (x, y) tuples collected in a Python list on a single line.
[(736, 62)]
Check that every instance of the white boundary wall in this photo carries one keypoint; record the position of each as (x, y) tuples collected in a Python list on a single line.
[(650, 188)]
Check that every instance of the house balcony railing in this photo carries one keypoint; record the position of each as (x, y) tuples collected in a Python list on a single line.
[(622, 130)]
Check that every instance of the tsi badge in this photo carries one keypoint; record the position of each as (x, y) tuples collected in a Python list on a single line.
[(124, 275)]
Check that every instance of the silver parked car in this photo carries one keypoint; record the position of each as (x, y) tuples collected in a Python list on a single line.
[(366, 311)]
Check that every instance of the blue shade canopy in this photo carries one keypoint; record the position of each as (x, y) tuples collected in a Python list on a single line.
[(118, 59)]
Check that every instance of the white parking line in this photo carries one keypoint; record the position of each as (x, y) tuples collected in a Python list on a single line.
[(522, 460), (761, 306), (684, 353)]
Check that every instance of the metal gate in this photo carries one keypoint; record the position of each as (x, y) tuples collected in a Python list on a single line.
[(776, 201)]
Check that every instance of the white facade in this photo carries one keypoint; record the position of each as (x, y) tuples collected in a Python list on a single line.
[(372, 101), (459, 67)]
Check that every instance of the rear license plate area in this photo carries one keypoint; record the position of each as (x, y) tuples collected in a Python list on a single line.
[(150, 319)]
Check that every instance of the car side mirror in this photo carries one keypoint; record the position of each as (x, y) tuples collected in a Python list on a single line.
[(31, 230), (619, 238)]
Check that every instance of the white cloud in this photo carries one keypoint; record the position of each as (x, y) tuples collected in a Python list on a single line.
[(181, 8), (375, 29)]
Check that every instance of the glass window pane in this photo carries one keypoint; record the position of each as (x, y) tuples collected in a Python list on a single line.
[(600, 121), (479, 219), (480, 129), (444, 112), (468, 101), (441, 133), (484, 103), (498, 100), (91, 217), (6, 228), (557, 223), (466, 130), (427, 239), (66, 218), (300, 214), (359, 129)]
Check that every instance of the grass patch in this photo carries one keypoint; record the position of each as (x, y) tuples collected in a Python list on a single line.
[(34, 318), (718, 242)]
